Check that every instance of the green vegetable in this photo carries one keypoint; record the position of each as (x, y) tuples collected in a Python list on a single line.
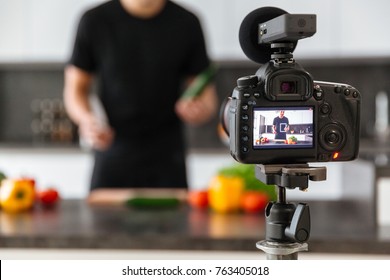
[(2, 176), (247, 172), (148, 202), (200, 82), (293, 138)]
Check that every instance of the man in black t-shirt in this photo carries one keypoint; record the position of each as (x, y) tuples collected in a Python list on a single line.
[(280, 126), (140, 52)]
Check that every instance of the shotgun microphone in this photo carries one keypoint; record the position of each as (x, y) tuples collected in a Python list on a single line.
[(249, 34)]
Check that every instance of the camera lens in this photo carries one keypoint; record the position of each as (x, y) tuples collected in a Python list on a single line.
[(224, 115), (287, 87)]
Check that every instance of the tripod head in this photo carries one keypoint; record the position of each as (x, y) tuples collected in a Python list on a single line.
[(287, 224)]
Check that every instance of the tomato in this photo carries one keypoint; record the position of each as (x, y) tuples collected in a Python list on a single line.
[(254, 201), (198, 199), (48, 197)]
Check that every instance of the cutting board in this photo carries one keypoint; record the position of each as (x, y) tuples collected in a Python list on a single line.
[(120, 196)]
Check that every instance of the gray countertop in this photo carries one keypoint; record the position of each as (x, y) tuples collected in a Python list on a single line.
[(337, 227)]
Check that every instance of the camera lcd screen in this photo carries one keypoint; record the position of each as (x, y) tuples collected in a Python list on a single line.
[(283, 127)]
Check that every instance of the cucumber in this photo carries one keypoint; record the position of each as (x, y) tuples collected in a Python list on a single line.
[(200, 82), (149, 202)]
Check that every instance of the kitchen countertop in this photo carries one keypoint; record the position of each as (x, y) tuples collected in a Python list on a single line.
[(337, 227)]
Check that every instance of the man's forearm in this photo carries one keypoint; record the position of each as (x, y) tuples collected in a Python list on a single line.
[(76, 92)]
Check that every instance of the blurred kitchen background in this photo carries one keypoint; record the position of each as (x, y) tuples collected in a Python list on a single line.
[(37, 139)]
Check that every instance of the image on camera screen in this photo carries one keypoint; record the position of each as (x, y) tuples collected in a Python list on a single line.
[(282, 127)]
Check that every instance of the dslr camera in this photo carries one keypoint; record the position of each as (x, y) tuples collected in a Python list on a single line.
[(281, 115)]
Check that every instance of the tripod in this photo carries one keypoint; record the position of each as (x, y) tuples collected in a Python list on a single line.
[(287, 224)]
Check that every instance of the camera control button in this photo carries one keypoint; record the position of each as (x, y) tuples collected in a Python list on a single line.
[(245, 128), (325, 109), (252, 103), (347, 92), (245, 117), (337, 89), (244, 107), (246, 94), (245, 149), (355, 94), (245, 138), (256, 94), (318, 94), (332, 138)]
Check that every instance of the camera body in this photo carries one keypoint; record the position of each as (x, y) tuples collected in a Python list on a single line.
[(320, 120), (281, 115)]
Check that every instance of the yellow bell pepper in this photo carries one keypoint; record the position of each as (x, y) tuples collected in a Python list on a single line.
[(17, 195), (224, 193)]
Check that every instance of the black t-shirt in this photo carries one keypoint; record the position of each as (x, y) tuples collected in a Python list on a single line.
[(280, 125), (140, 65)]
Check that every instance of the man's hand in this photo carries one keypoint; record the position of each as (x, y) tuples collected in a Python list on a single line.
[(99, 136), (96, 134), (198, 110)]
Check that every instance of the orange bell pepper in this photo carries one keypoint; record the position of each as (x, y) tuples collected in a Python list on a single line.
[(225, 193), (17, 195)]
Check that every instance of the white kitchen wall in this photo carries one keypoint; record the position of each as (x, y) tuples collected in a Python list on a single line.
[(65, 169), (43, 30), (39, 30), (69, 169)]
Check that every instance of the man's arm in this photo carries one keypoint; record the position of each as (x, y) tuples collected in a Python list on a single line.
[(77, 86), (287, 126), (76, 98), (274, 126)]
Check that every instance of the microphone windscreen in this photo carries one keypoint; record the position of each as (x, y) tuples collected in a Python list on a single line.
[(248, 34)]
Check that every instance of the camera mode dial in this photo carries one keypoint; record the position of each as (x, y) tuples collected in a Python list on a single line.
[(247, 81)]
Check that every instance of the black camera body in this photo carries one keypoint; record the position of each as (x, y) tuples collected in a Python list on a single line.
[(281, 116)]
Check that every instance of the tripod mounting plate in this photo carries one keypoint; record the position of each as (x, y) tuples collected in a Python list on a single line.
[(289, 175)]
